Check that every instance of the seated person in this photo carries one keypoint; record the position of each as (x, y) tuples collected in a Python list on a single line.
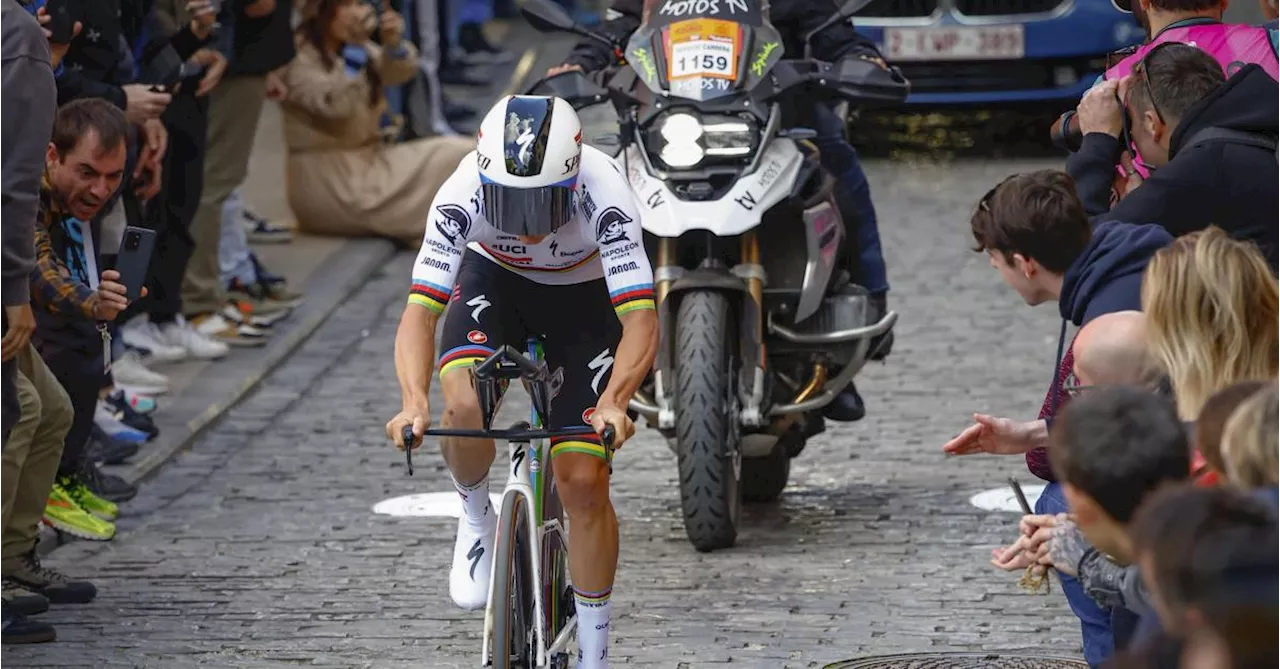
[(341, 178)]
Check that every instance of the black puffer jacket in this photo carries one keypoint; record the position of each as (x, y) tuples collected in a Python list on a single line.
[(1230, 185), (793, 19)]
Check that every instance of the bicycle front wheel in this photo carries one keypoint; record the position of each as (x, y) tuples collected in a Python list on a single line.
[(515, 638)]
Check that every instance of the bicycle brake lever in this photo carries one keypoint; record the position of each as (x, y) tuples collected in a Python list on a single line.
[(407, 435)]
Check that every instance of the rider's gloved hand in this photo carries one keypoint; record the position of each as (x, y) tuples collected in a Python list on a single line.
[(418, 417), (623, 427)]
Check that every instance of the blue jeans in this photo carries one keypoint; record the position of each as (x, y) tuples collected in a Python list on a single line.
[(1095, 621), (840, 158), (233, 244)]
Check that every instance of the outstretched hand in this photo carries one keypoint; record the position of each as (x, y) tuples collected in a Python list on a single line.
[(997, 436)]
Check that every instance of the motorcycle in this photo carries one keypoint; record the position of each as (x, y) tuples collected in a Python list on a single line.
[(759, 328)]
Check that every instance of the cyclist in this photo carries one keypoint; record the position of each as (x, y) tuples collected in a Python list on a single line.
[(794, 19), (533, 234)]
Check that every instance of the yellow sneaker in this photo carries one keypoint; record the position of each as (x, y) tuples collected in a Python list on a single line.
[(64, 514)]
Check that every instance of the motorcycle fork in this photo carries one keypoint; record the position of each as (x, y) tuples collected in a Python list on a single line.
[(751, 378)]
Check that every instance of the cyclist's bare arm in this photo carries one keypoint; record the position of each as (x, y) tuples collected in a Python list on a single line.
[(636, 352), (449, 228)]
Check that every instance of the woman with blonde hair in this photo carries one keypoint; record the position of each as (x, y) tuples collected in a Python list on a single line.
[(342, 178), (1212, 310)]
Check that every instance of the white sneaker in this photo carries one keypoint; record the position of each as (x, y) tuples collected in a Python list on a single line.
[(141, 333), (473, 562), (181, 333), (129, 372)]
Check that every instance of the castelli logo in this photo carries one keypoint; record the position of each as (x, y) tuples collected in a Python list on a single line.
[(477, 337), (586, 415)]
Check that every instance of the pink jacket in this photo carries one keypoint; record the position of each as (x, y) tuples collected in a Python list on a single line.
[(1233, 45)]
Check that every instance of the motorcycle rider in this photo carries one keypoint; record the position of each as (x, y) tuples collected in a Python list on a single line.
[(794, 19)]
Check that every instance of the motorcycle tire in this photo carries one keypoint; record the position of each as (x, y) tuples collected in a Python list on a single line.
[(706, 428)]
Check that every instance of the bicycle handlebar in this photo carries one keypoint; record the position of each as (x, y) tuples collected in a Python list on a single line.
[(520, 432)]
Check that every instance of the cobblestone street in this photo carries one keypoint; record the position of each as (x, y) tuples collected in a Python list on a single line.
[(258, 547)]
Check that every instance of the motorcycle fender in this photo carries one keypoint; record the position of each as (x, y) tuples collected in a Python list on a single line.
[(739, 210), (706, 279)]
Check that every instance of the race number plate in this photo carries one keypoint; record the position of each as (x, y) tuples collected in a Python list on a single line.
[(703, 48), (981, 43)]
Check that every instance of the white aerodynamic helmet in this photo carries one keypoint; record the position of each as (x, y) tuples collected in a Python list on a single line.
[(529, 150)]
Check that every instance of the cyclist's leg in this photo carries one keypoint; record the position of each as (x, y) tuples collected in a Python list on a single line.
[(474, 326), (582, 335)]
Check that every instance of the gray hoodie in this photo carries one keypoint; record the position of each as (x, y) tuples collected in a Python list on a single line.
[(30, 102)]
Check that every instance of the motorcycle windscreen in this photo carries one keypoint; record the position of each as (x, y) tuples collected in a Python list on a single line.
[(703, 49)]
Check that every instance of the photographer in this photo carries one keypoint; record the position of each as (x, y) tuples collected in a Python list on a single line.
[(1210, 146)]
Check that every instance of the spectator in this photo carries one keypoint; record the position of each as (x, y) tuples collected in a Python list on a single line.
[(1212, 309), (160, 328), (1212, 146), (342, 180), (29, 99), (1111, 448), (1249, 441), (1209, 426), (1209, 559), (261, 44), (85, 164), (1111, 350), (1036, 234)]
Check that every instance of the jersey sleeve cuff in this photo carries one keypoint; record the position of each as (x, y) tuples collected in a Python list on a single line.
[(632, 298), (429, 295)]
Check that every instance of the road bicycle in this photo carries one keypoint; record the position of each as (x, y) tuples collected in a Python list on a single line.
[(530, 619)]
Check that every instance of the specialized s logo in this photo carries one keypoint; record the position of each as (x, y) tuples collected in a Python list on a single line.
[(456, 223), (611, 228), (480, 302), (601, 364)]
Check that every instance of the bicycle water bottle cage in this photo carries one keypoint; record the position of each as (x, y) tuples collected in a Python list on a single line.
[(505, 364)]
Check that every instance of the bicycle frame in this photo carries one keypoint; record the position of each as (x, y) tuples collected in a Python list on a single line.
[(526, 479)]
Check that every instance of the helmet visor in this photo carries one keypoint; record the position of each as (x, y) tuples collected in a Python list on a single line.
[(527, 211)]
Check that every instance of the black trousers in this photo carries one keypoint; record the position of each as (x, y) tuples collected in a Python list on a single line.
[(81, 376), (170, 213)]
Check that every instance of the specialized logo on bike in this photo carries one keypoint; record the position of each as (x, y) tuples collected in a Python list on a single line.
[(456, 223), (477, 337), (612, 226)]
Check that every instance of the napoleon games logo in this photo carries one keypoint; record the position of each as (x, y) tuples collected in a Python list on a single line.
[(612, 226), (456, 223)]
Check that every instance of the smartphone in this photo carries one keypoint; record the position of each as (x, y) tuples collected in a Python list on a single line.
[(134, 259), (63, 15)]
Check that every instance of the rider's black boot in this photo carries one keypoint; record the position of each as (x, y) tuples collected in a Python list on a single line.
[(847, 407)]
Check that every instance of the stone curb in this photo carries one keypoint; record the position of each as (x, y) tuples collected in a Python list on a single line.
[(223, 384)]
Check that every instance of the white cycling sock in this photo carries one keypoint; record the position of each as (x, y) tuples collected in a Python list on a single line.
[(475, 499), (593, 628)]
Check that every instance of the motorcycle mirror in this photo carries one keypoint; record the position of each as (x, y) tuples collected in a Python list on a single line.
[(847, 9), (547, 16)]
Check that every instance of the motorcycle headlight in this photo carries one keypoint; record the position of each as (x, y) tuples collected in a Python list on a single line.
[(680, 134), (684, 140)]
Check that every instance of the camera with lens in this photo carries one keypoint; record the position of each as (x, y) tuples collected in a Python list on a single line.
[(132, 240), (1065, 132)]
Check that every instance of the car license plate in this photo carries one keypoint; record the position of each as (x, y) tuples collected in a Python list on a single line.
[(985, 43)]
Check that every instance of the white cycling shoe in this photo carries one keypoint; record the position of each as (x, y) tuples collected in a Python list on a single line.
[(473, 562)]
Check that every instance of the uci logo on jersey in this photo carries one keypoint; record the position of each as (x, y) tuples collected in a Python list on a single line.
[(456, 223), (611, 228)]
